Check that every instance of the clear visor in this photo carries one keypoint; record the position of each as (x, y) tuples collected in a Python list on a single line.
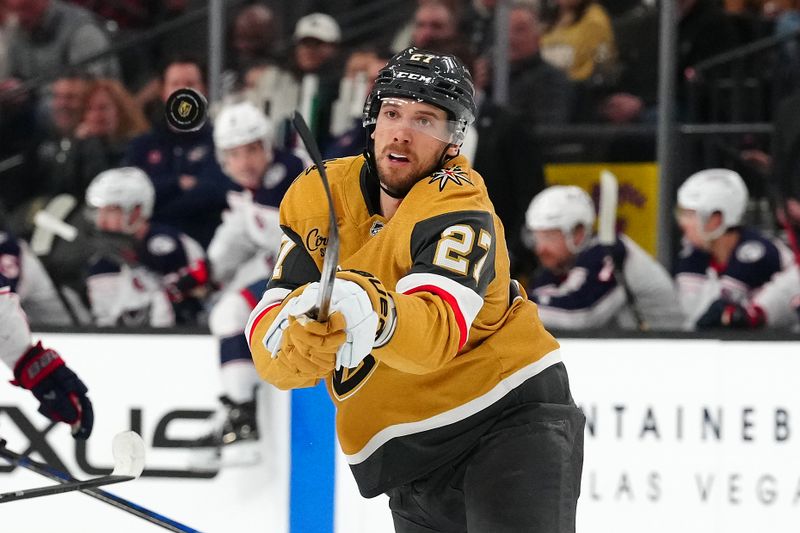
[(111, 218), (683, 214), (419, 116)]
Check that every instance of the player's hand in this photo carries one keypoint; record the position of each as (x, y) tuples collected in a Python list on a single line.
[(361, 321), (725, 314), (61, 394), (186, 182), (308, 348)]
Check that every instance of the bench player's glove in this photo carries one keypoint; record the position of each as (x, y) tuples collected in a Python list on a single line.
[(725, 314), (61, 394)]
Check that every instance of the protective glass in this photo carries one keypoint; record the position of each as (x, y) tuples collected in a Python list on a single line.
[(416, 115)]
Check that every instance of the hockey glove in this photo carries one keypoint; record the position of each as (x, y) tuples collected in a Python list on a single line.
[(725, 314), (308, 348), (61, 394)]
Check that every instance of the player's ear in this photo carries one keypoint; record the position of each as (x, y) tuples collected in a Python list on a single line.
[(453, 150), (136, 214), (372, 135), (579, 234)]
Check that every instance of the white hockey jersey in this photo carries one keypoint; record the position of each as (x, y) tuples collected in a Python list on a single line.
[(138, 286), (15, 336), (246, 244), (755, 264), (591, 296), (28, 278), (779, 298)]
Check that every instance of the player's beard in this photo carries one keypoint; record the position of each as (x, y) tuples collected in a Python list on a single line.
[(400, 180)]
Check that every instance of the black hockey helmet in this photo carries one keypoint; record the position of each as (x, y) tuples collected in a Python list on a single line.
[(438, 79)]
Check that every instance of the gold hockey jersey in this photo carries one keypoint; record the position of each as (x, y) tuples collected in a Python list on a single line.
[(465, 335)]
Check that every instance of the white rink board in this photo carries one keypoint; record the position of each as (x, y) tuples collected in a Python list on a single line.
[(649, 465), (686, 478)]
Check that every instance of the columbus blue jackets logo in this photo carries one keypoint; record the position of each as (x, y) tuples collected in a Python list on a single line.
[(454, 174)]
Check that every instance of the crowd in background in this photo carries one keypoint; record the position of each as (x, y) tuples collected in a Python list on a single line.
[(69, 113)]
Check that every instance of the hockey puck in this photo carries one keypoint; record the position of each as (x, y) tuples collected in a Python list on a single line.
[(186, 110)]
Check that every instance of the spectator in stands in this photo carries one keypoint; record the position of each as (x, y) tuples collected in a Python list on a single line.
[(579, 39), (361, 69), (58, 163), (53, 34), (255, 39), (538, 91), (309, 82), (152, 275), (316, 42), (189, 184), (726, 270), (582, 284), (316, 53), (49, 36), (110, 121), (434, 23), (93, 122)]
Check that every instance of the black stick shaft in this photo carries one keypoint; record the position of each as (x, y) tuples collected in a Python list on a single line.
[(69, 486), (99, 494)]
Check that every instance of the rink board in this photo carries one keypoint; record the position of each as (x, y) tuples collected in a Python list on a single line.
[(690, 435)]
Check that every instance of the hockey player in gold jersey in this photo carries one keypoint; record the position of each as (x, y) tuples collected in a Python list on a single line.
[(451, 397)]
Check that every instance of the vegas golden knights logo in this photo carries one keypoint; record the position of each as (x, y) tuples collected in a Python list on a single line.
[(346, 381), (184, 109)]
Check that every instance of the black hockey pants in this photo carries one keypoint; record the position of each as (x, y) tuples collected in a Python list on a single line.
[(522, 477)]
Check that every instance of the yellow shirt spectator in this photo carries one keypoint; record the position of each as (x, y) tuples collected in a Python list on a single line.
[(579, 46)]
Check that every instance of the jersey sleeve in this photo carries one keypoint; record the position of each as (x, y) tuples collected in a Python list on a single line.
[(15, 337), (10, 252), (453, 263), (293, 270), (37, 293), (230, 246), (589, 296)]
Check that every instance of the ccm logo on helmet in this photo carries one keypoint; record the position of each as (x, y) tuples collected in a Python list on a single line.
[(414, 76)]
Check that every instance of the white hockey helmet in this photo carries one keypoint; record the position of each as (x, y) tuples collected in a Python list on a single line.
[(561, 207), (126, 187), (715, 190), (241, 123)]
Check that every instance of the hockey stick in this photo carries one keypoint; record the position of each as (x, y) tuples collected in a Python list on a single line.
[(99, 494), (607, 235), (330, 263), (127, 449)]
